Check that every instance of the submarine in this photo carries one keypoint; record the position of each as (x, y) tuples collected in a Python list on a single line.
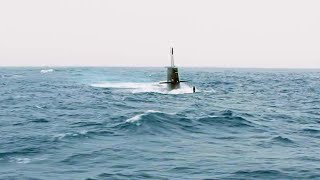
[(173, 80)]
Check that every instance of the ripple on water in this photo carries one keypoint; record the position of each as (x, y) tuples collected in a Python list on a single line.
[(282, 140), (83, 134), (311, 131), (261, 174)]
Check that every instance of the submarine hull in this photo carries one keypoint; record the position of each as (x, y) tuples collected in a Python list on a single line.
[(172, 86)]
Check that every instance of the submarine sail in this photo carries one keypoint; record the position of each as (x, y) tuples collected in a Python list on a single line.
[(173, 73), (173, 81)]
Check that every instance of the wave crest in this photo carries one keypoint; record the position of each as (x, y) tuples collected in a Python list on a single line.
[(157, 122), (138, 117), (284, 140), (83, 134), (226, 118)]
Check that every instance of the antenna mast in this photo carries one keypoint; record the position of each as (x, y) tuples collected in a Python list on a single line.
[(171, 54)]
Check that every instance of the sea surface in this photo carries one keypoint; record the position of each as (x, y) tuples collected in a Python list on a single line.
[(120, 123)]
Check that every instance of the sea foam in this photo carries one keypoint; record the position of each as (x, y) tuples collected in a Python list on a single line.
[(145, 87), (43, 71)]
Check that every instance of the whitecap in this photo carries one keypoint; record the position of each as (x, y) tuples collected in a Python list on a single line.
[(25, 160), (46, 71), (135, 118), (39, 107), (60, 136), (21, 160), (139, 116), (83, 132), (11, 76), (69, 134)]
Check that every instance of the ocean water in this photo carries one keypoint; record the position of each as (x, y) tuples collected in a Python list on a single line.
[(119, 123)]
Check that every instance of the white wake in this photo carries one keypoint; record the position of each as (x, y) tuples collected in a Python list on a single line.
[(145, 87)]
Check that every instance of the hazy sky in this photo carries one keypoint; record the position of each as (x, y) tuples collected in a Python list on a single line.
[(218, 33)]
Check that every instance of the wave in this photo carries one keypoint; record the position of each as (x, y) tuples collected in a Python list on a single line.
[(119, 175), (87, 124), (138, 117), (278, 141), (69, 134), (9, 76), (226, 118), (40, 120), (145, 87), (20, 152), (23, 159), (154, 122), (283, 140), (157, 122), (311, 131), (43, 71), (267, 173), (20, 160), (234, 121), (81, 134), (38, 107)]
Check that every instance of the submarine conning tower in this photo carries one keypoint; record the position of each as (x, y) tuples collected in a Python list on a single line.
[(172, 73)]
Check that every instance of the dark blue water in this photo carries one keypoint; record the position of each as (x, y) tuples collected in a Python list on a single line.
[(119, 123)]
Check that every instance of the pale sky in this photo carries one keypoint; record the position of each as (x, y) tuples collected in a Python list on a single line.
[(207, 33)]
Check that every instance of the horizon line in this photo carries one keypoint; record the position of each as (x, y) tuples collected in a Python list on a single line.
[(123, 66)]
